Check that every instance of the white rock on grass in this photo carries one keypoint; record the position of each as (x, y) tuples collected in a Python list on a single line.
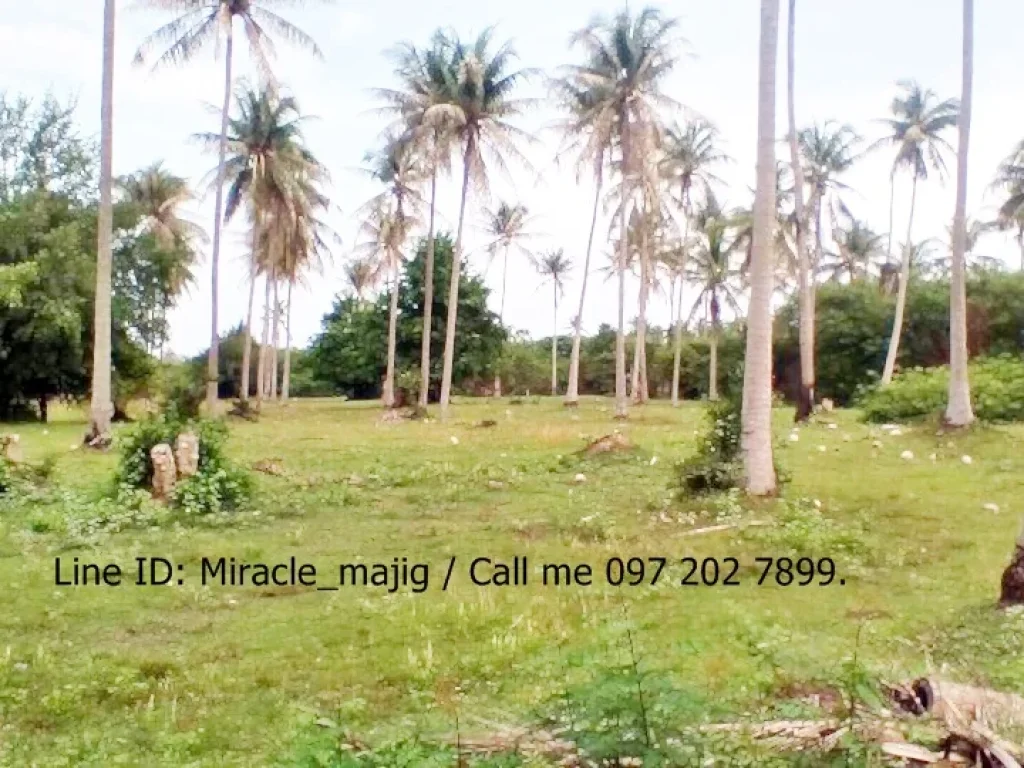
[(822, 449), (794, 437), (876, 443), (454, 439), (654, 460), (990, 507), (580, 478), (966, 459), (907, 455), (933, 457), (833, 426)]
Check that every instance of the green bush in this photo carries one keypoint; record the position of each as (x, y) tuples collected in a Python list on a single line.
[(716, 465), (997, 390), (218, 486)]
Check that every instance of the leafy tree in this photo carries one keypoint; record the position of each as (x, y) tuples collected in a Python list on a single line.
[(348, 352)]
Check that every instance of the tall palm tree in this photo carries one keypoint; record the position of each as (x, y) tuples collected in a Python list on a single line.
[(958, 407), (691, 153), (915, 131), (102, 407), (507, 226), (805, 403), (360, 276), (711, 268), (425, 76), (627, 59), (758, 463), (857, 250), (478, 105), (200, 22), (263, 166), (554, 266), (588, 131), (1010, 181)]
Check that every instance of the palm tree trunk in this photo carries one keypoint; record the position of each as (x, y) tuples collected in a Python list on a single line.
[(247, 339), (805, 400), (102, 407), (572, 388), (501, 315), (554, 345), (389, 375), (621, 409), (713, 364), (758, 463), (1020, 242), (892, 214), (261, 361), (640, 393), (901, 295), (678, 311), (958, 410), (286, 379), (275, 338), (212, 369), (453, 289), (428, 298)]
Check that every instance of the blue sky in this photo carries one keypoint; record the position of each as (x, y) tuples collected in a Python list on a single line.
[(849, 57)]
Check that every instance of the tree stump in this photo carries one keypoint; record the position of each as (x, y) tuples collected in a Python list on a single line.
[(10, 448), (164, 472), (1012, 592), (186, 454)]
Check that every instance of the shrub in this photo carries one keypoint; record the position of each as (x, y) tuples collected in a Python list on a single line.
[(218, 486), (997, 389), (715, 466)]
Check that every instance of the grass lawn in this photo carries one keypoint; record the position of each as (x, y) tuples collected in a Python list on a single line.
[(222, 676)]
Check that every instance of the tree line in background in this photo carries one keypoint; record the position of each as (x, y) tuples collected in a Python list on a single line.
[(455, 108)]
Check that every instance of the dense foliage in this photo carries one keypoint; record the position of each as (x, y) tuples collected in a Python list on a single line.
[(349, 354), (997, 388), (853, 324), (716, 465)]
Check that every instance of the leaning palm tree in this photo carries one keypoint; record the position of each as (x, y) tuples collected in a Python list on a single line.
[(554, 266), (102, 406), (958, 404), (758, 464), (200, 22), (265, 160), (425, 75), (627, 60), (588, 130), (915, 131), (691, 154), (478, 104), (1010, 182), (858, 250), (507, 227), (712, 270)]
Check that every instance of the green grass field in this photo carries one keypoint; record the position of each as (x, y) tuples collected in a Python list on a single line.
[(222, 676)]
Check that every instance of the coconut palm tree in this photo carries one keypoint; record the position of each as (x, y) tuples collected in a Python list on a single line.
[(588, 132), (1010, 181), (758, 463), (958, 402), (391, 216), (858, 250), (805, 402), (425, 76), (691, 153), (507, 226), (478, 104), (102, 406), (200, 22), (263, 166), (915, 131), (712, 269), (627, 59), (553, 267)]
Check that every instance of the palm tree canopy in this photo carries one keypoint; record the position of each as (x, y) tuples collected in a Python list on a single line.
[(507, 225), (158, 196), (202, 22), (691, 152), (554, 266), (711, 265), (915, 130), (361, 277), (858, 251), (828, 150)]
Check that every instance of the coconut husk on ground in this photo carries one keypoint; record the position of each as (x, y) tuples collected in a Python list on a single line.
[(613, 443)]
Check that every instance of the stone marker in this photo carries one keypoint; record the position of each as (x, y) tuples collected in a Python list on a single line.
[(186, 454), (10, 448), (164, 471)]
